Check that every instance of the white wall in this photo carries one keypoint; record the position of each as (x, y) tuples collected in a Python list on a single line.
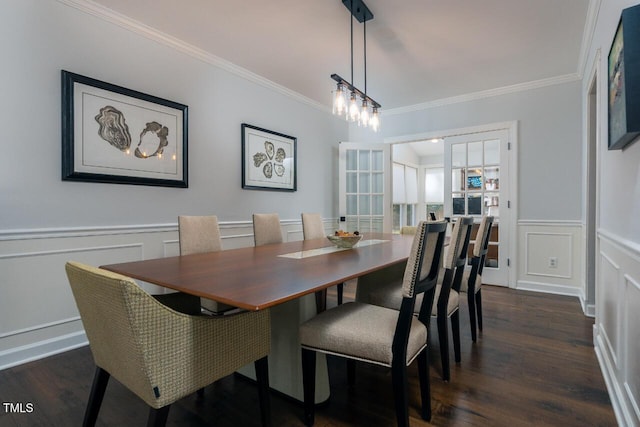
[(39, 38), (405, 154), (550, 159), (45, 221), (549, 171), (616, 332)]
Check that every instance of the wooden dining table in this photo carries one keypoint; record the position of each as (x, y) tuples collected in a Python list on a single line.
[(281, 277)]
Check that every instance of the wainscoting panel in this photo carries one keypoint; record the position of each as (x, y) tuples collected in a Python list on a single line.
[(543, 247), (550, 257), (609, 303), (632, 342), (41, 282), (617, 332), (38, 316)]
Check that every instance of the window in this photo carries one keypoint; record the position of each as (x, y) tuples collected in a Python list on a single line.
[(475, 177), (434, 192), (405, 195)]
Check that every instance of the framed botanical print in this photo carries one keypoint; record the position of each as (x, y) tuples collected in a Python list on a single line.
[(117, 135), (269, 160)]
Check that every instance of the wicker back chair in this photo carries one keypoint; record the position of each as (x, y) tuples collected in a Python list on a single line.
[(159, 354)]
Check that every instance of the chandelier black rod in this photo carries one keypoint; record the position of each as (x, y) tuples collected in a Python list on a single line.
[(351, 20), (352, 88), (365, 57)]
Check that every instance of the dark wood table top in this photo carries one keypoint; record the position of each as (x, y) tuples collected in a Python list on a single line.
[(255, 278)]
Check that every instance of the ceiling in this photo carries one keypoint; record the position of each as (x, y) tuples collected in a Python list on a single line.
[(418, 51)]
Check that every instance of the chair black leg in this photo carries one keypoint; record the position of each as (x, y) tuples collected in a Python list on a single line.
[(309, 385), (100, 381), (262, 376), (400, 392), (455, 332), (340, 292), (479, 307), (158, 417), (472, 314), (425, 383), (351, 372), (321, 301), (444, 346)]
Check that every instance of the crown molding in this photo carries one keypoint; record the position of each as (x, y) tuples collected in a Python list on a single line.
[(520, 87), (111, 16), (587, 35)]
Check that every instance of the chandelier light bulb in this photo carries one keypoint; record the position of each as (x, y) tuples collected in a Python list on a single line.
[(364, 114), (375, 120), (339, 100), (354, 110)]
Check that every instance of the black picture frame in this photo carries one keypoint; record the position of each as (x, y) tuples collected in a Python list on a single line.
[(269, 160), (112, 134), (624, 81)]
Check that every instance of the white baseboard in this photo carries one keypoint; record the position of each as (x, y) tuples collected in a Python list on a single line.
[(589, 310), (40, 350), (623, 416), (548, 288)]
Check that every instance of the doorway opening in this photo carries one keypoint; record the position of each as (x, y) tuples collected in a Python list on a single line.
[(461, 172)]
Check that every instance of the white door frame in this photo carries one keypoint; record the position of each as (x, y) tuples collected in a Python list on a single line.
[(591, 190), (512, 133)]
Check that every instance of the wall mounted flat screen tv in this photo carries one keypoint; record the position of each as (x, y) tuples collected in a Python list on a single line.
[(474, 182)]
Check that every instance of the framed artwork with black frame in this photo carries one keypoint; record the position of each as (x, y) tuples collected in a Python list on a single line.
[(624, 80), (112, 134), (269, 160)]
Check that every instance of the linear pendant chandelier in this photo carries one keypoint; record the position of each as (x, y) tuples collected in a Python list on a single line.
[(366, 114)]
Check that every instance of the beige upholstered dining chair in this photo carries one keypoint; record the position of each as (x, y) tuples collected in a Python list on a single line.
[(266, 229), (385, 290), (312, 226), (380, 335), (448, 292), (162, 355), (198, 234), (408, 229), (472, 279)]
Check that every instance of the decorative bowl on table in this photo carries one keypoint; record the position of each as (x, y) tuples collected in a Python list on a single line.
[(344, 240)]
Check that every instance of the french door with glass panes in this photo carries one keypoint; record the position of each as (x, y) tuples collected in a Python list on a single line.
[(476, 184), (364, 187)]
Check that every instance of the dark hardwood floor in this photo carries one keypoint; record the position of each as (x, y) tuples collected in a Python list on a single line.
[(534, 364)]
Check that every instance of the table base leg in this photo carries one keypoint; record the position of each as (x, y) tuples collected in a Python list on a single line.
[(285, 362)]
